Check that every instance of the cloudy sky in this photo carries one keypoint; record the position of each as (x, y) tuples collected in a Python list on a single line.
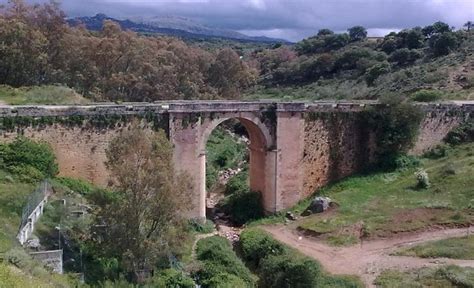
[(289, 19)]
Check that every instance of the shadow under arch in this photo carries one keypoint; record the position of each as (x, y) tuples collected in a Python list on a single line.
[(262, 160)]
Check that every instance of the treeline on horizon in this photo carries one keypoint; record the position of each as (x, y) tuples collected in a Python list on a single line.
[(38, 47)]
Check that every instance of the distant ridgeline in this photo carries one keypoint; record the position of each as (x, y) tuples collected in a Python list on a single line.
[(191, 31)]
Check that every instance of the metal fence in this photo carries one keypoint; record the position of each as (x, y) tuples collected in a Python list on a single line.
[(35, 198)]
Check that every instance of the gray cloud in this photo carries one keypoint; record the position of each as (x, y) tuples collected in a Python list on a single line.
[(291, 19)]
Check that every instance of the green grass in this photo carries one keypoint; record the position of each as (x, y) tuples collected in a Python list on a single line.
[(444, 277), (382, 204), (456, 248), (40, 95), (13, 195)]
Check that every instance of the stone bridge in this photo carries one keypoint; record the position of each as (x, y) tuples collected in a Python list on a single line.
[(295, 147)]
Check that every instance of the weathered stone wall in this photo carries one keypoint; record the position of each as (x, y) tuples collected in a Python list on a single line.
[(80, 152), (336, 145), (437, 124)]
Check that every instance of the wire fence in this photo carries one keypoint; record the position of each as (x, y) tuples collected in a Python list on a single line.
[(33, 200)]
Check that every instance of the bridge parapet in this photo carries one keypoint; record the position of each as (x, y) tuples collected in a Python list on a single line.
[(212, 106)]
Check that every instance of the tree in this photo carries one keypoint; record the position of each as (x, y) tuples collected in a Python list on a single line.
[(150, 199), (468, 25), (229, 74), (436, 28), (414, 38), (325, 31), (443, 44), (357, 33)]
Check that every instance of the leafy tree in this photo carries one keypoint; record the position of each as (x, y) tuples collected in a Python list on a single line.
[(357, 33), (414, 38), (437, 28), (404, 56), (324, 32), (443, 44), (229, 74), (150, 199), (396, 126), (389, 44), (376, 71), (468, 25)]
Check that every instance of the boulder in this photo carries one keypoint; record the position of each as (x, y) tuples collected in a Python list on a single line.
[(319, 204)]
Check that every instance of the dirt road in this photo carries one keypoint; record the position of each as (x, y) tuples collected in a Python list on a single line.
[(370, 258)]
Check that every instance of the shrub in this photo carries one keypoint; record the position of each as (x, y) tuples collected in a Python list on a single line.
[(396, 127), (224, 280), (422, 179), (218, 257), (426, 95), (243, 206), (79, 186), (36, 159), (256, 245), (288, 271), (198, 226), (406, 161), (376, 71), (462, 134), (238, 183), (437, 152), (280, 266), (171, 278)]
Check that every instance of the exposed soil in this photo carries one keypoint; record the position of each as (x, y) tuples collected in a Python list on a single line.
[(369, 258)]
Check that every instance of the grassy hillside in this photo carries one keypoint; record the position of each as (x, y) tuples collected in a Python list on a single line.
[(13, 195), (456, 248), (333, 66), (40, 95), (445, 277), (382, 204)]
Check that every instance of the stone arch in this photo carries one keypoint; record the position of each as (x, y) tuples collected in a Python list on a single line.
[(261, 164)]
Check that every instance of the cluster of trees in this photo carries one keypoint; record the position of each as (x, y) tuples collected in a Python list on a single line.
[(351, 55), (38, 47)]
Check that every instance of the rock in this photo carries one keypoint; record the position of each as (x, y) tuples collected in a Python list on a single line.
[(33, 243), (290, 216), (319, 204)]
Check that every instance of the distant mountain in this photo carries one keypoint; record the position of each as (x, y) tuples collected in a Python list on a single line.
[(170, 26)]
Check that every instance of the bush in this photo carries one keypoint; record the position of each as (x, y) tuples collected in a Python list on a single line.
[(218, 257), (288, 271), (396, 127), (280, 266), (406, 161), (198, 226), (437, 152), (35, 159), (426, 95), (422, 179), (238, 183), (76, 185), (462, 134), (171, 278), (243, 206), (224, 280), (256, 245)]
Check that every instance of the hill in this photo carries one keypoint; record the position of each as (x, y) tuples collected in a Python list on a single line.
[(171, 26), (435, 62)]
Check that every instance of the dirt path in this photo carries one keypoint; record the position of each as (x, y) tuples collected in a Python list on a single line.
[(370, 258)]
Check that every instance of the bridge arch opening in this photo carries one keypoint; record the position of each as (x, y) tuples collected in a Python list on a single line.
[(258, 161)]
